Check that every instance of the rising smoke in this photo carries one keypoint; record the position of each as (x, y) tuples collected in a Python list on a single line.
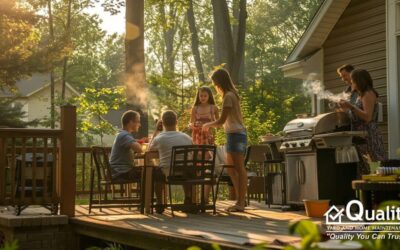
[(313, 86)]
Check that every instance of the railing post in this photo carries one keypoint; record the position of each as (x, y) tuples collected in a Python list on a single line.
[(67, 177), (2, 171)]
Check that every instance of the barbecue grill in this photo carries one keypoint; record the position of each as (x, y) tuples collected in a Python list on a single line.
[(321, 160)]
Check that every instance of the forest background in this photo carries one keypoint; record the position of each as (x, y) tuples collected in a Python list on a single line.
[(184, 41)]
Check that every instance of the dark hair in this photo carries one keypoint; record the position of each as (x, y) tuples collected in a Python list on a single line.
[(128, 116), (222, 79), (210, 96), (169, 118), (363, 80), (347, 67)]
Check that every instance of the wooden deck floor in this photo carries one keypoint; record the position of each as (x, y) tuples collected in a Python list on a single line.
[(256, 225)]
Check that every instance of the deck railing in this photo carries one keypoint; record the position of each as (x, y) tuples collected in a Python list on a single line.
[(84, 162), (38, 166)]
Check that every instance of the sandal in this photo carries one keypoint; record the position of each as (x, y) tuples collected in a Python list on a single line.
[(235, 208)]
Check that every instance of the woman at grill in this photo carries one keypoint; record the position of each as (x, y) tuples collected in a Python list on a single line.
[(364, 118), (236, 139)]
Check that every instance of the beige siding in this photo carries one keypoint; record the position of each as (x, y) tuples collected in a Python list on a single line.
[(359, 38)]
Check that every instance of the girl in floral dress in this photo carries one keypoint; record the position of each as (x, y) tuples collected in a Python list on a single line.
[(203, 111)]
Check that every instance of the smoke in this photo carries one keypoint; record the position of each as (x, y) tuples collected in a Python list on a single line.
[(313, 86), (136, 88)]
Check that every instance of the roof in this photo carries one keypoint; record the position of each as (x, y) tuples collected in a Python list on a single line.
[(318, 30), (35, 83)]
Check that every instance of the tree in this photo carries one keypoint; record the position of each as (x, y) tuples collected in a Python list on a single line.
[(273, 30), (93, 105), (227, 50), (12, 115), (195, 41), (18, 43)]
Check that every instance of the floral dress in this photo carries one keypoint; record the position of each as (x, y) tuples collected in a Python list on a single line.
[(374, 142), (199, 136)]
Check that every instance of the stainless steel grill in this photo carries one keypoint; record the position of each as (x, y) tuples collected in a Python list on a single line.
[(318, 162), (322, 131)]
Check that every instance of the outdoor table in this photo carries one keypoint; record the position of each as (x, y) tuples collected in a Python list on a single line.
[(148, 161), (372, 192)]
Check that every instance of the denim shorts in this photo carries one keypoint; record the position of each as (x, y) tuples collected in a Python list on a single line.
[(236, 142)]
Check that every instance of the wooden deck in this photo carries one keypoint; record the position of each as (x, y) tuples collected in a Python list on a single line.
[(256, 225)]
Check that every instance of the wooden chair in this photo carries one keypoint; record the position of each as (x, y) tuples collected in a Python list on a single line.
[(275, 177), (254, 163), (193, 165), (105, 184)]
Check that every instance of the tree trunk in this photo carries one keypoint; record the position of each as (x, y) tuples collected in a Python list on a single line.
[(52, 81), (195, 42), (235, 32), (223, 32), (239, 50), (65, 63), (169, 30), (136, 89)]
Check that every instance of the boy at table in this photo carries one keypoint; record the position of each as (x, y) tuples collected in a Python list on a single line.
[(163, 141)]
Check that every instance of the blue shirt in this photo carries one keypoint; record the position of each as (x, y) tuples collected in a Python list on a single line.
[(121, 159)]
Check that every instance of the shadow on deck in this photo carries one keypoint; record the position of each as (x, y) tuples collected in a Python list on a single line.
[(256, 225)]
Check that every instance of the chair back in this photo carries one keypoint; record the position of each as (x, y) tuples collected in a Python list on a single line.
[(257, 153), (193, 162), (100, 158)]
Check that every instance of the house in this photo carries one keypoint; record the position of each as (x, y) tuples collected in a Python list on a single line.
[(34, 95), (365, 33)]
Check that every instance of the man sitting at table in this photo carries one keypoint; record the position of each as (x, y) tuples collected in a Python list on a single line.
[(122, 158), (163, 141)]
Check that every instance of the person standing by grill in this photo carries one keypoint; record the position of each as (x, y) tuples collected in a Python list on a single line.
[(344, 72), (364, 118), (236, 139)]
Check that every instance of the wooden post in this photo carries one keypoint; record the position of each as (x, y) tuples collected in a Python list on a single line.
[(67, 177), (2, 171)]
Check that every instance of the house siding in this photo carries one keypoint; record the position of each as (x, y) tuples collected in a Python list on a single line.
[(359, 38)]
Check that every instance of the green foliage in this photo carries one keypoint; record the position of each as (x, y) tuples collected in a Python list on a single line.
[(114, 246), (273, 29), (12, 114), (18, 43), (309, 233), (10, 245), (93, 104), (258, 120)]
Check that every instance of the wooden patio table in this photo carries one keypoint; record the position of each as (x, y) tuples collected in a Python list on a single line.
[(148, 160), (370, 192)]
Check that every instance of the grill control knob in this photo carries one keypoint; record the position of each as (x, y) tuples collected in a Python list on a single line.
[(294, 144), (302, 144), (287, 144)]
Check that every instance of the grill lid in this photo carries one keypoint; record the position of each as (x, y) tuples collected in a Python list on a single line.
[(323, 123)]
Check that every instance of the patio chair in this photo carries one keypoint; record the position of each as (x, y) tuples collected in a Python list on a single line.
[(254, 162), (275, 178), (129, 190), (193, 165)]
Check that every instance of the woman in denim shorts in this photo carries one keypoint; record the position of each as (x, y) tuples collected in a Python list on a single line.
[(236, 139)]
